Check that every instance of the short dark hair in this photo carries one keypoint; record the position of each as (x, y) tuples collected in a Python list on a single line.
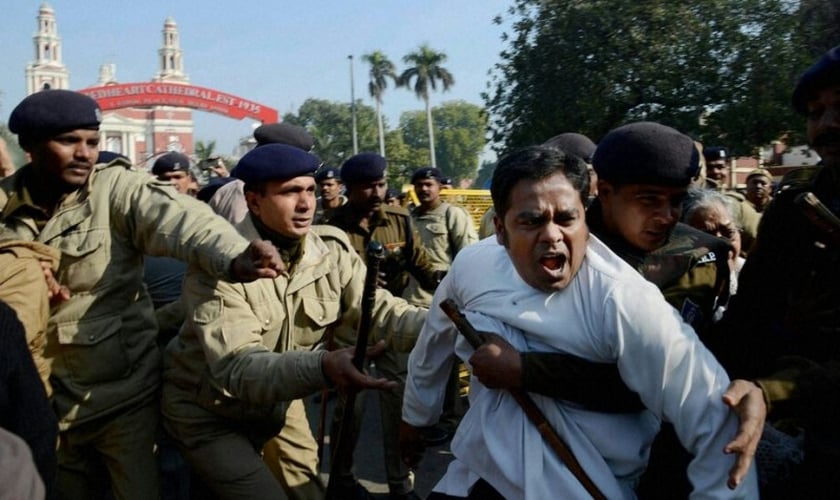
[(258, 187), (536, 163)]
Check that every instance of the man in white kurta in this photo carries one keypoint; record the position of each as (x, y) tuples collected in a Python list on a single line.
[(606, 313)]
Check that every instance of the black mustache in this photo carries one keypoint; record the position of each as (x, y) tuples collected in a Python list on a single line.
[(826, 139)]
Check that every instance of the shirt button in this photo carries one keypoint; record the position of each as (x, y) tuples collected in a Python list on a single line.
[(91, 337)]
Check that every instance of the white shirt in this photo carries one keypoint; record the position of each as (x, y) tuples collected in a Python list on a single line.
[(608, 313)]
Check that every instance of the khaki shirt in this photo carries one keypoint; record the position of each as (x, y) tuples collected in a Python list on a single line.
[(392, 227), (102, 340), (444, 231), (225, 362), (24, 289)]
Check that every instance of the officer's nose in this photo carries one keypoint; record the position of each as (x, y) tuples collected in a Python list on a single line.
[(85, 152)]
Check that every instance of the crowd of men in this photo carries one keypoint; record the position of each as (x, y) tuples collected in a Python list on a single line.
[(158, 336)]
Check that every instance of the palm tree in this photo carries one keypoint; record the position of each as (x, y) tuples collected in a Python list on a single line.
[(204, 151), (426, 71), (381, 69)]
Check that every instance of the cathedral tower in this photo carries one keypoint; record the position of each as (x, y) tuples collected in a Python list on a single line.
[(171, 56), (46, 71)]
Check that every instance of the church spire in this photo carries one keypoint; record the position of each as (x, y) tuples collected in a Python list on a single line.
[(46, 71), (171, 56)]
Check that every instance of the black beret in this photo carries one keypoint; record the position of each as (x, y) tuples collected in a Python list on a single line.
[(426, 173), (572, 143), (712, 153), (53, 111), (446, 181), (204, 194), (275, 162), (391, 193), (284, 133), (646, 153), (109, 156), (328, 173), (826, 71), (363, 167), (171, 162)]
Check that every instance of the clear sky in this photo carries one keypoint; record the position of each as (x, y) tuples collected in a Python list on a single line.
[(278, 53)]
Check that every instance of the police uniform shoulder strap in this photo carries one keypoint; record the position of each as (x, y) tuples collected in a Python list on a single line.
[(333, 233), (116, 162)]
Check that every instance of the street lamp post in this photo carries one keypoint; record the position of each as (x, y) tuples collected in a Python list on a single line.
[(353, 107)]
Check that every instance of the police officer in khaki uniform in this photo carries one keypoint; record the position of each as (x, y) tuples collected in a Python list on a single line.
[(759, 189), (444, 228), (101, 341), (330, 197), (365, 217), (234, 375)]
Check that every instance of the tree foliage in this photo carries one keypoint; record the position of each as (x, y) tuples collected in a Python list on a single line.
[(329, 122), (819, 26), (204, 150), (459, 127), (720, 70), (17, 154)]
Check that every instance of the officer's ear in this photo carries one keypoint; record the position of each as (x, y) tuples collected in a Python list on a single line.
[(251, 199)]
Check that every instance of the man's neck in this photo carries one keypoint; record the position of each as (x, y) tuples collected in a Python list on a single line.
[(331, 203), (428, 207)]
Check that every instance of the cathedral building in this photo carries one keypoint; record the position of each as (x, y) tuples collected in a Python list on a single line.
[(140, 133)]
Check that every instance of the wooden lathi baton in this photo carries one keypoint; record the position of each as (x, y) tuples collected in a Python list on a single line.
[(819, 215), (342, 449), (532, 411)]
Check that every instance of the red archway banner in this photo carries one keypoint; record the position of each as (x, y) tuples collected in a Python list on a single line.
[(145, 94)]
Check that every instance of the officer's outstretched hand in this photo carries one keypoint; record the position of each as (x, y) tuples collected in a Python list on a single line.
[(747, 400), (411, 445), (496, 363), (338, 367), (259, 260)]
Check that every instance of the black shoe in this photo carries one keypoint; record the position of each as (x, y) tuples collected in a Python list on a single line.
[(411, 495), (354, 492), (435, 435)]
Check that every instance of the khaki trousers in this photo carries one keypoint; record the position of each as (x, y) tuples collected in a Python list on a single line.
[(117, 450), (292, 456)]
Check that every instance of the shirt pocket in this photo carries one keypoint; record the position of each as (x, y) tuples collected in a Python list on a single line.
[(321, 311), (93, 350), (84, 257), (318, 314)]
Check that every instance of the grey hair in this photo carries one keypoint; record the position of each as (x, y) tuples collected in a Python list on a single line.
[(699, 198)]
